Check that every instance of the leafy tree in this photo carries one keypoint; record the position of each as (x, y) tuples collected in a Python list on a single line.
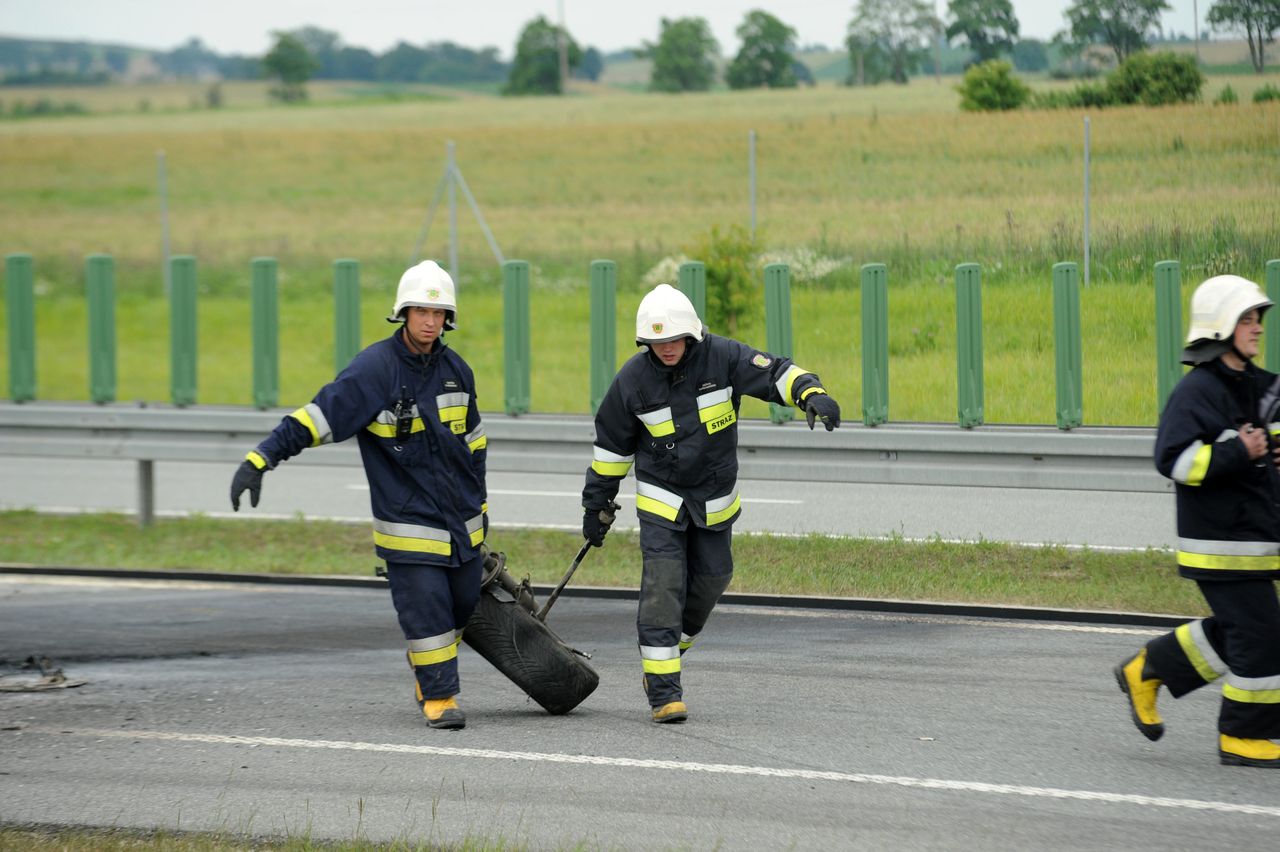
[(869, 60), (1121, 25), (895, 32), (989, 27), (402, 63), (1155, 79), (592, 65), (292, 64), (1030, 55), (1258, 18), (536, 69), (730, 257), (990, 86), (766, 58), (684, 59), (356, 63), (323, 45)]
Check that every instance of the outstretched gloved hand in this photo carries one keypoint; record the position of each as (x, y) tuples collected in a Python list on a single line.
[(820, 406), (248, 476), (596, 523)]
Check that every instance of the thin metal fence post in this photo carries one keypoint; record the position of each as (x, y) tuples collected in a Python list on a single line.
[(516, 345), (1087, 155), (20, 305), (693, 283), (875, 344), (1168, 330), (777, 325), (1271, 322), (266, 334), (969, 368), (346, 312), (751, 176), (1066, 346), (101, 286), (182, 330), (452, 166), (604, 329)]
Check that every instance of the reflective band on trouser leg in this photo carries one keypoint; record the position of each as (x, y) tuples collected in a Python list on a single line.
[(411, 538), (657, 501), (1228, 555), (424, 605), (1199, 651), (313, 418), (606, 463), (658, 617), (1252, 690), (659, 423), (434, 649), (661, 674), (686, 641)]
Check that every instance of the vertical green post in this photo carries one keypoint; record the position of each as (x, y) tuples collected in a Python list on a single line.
[(693, 283), (1168, 330), (266, 334), (182, 329), (777, 325), (515, 349), (1271, 321), (346, 312), (20, 305), (969, 369), (875, 344), (101, 285), (1066, 345), (604, 328)]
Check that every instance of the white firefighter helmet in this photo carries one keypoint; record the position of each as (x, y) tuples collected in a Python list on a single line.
[(666, 314), (1216, 308), (426, 286)]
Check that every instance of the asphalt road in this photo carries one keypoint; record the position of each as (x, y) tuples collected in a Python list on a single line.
[(1099, 519), (280, 710)]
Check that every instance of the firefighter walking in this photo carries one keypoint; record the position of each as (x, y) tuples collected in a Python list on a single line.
[(671, 412), (410, 401), (1212, 441)]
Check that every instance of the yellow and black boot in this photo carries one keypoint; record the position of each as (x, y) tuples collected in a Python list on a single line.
[(443, 713), (1139, 683), (1234, 751), (671, 711)]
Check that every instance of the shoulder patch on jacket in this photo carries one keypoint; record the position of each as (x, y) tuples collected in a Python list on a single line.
[(761, 360)]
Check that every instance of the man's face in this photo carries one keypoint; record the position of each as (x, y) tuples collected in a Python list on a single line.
[(1248, 332), (670, 352), (423, 326)]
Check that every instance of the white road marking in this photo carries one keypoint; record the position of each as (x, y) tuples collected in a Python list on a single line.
[(577, 495), (686, 766)]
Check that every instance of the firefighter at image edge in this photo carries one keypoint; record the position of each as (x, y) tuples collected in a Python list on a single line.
[(410, 401), (1212, 441), (671, 412)]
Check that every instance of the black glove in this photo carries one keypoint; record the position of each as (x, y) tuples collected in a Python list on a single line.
[(820, 406), (247, 476), (596, 523)]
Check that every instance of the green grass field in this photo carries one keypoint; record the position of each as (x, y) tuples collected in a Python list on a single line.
[(889, 174)]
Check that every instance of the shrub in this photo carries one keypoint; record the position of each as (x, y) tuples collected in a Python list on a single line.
[(990, 86), (730, 259), (1155, 79), (1226, 96), (1266, 93)]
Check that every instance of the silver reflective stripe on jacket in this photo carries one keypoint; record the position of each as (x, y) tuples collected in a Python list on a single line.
[(411, 538), (657, 501)]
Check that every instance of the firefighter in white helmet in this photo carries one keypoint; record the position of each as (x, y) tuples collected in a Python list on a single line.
[(1216, 441), (410, 401), (672, 413)]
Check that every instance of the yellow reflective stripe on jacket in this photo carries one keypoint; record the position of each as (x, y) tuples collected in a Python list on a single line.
[(788, 381), (1191, 638), (660, 659), (433, 649), (657, 501), (1229, 555), (606, 463), (384, 425), (453, 410), (1192, 463), (476, 440), (475, 529), (313, 418), (722, 509), (658, 422), (411, 538), (1252, 690), (255, 458), (715, 409)]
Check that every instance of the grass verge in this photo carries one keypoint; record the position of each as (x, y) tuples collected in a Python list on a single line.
[(895, 568)]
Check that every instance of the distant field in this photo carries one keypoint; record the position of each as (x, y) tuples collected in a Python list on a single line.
[(888, 174)]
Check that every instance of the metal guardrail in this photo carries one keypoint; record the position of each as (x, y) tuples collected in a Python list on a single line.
[(1088, 458)]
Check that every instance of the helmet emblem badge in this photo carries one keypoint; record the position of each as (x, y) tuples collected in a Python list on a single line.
[(433, 293), (657, 328)]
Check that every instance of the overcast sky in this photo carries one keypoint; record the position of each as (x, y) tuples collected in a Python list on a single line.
[(245, 26)]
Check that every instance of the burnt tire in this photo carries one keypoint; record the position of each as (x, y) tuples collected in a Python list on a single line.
[(526, 651)]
